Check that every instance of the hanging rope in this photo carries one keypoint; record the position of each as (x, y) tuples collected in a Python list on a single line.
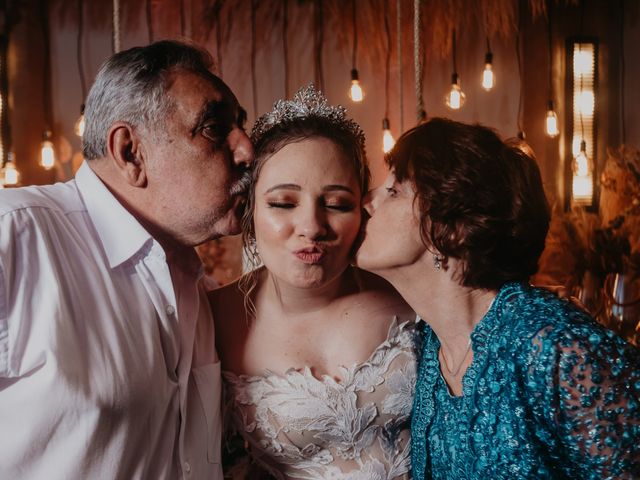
[(254, 85), (285, 45), (549, 52), (400, 69), (116, 26), (46, 77), (417, 60), (623, 127), (453, 51), (354, 51), (520, 79), (83, 83), (183, 20), (150, 20), (387, 31), (218, 27), (318, 43)]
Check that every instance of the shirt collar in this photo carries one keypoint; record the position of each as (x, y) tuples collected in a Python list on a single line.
[(121, 234)]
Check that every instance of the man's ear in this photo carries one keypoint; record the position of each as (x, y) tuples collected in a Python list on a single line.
[(124, 150)]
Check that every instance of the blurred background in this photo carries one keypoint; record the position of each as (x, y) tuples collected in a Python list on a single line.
[(561, 74)]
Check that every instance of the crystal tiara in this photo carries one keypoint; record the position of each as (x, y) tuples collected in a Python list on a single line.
[(307, 103)]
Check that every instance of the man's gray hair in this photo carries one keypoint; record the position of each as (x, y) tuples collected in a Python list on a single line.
[(131, 87)]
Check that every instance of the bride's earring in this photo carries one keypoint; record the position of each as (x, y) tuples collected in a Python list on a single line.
[(437, 261)]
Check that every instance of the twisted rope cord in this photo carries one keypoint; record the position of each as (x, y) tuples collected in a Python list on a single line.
[(417, 59), (116, 26), (400, 69)]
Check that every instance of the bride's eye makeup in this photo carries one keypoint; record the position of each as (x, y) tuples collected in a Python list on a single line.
[(339, 204)]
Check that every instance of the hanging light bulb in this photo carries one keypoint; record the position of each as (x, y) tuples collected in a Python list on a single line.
[(47, 155), (79, 125), (10, 174), (355, 93), (487, 75), (582, 177), (551, 122), (455, 98), (387, 138)]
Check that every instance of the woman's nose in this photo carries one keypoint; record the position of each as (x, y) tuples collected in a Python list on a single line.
[(312, 223)]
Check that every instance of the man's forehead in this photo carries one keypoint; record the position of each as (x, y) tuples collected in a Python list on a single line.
[(211, 93)]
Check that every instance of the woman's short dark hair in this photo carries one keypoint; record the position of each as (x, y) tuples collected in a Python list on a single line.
[(481, 200)]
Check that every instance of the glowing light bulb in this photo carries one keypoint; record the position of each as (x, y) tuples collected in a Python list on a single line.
[(582, 185), (455, 98), (355, 92), (79, 125), (10, 175), (387, 138), (488, 79), (47, 155), (551, 122)]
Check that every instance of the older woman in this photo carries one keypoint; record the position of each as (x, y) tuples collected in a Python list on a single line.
[(513, 382)]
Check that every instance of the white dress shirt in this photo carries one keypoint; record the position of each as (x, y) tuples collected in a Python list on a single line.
[(107, 361)]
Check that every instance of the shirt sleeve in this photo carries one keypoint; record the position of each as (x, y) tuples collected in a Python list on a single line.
[(4, 325), (591, 399)]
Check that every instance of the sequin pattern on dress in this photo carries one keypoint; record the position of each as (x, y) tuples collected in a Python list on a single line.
[(549, 394)]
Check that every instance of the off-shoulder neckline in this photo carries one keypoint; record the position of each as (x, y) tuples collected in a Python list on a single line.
[(395, 329)]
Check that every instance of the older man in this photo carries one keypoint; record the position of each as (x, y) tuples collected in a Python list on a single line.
[(107, 363)]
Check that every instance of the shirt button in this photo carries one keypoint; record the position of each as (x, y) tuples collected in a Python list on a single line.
[(187, 467), (170, 310)]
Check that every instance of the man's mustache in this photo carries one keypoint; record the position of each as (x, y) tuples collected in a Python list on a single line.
[(241, 186)]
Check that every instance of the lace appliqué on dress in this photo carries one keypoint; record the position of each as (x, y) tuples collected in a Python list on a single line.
[(303, 427)]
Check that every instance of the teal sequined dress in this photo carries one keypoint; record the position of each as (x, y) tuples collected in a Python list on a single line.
[(550, 394)]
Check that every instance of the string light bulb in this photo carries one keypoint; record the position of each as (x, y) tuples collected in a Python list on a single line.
[(456, 97), (10, 174), (79, 125), (582, 185), (551, 121), (355, 92), (387, 138), (47, 155), (488, 79)]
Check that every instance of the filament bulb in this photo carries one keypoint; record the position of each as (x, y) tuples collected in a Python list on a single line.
[(387, 138), (355, 92)]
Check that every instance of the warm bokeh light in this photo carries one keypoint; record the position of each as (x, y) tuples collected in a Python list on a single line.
[(487, 77), (455, 98), (355, 92), (10, 174), (47, 156), (387, 141), (551, 124)]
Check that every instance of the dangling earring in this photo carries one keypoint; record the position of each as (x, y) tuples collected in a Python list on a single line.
[(437, 261)]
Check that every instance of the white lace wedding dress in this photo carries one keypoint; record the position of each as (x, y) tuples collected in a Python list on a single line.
[(302, 427)]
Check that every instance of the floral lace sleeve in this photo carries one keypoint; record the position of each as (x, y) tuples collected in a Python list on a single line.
[(584, 385)]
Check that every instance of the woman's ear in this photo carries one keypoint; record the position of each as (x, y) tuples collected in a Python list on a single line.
[(124, 150)]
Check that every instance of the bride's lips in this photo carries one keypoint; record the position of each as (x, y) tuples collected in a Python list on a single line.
[(310, 255)]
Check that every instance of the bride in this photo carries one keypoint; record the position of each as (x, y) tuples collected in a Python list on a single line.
[(318, 357)]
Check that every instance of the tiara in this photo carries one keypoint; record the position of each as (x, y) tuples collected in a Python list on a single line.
[(307, 103)]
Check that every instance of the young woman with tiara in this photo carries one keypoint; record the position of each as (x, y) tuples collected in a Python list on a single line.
[(318, 357)]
